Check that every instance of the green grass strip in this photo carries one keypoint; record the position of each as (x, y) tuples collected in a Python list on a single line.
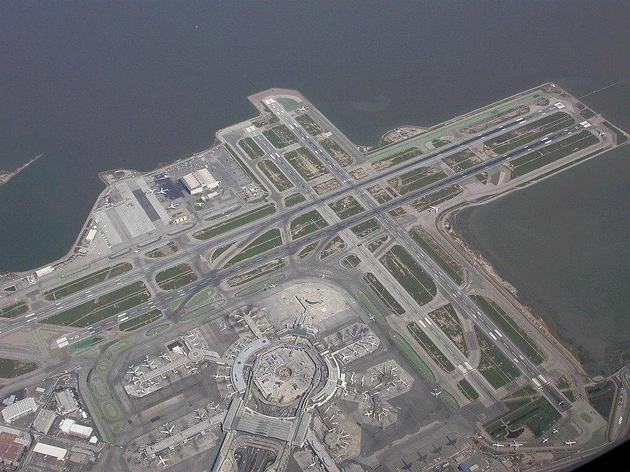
[(235, 222), (412, 356)]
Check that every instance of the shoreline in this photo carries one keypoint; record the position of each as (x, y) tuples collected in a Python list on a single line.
[(5, 176), (255, 100), (462, 239), (462, 236)]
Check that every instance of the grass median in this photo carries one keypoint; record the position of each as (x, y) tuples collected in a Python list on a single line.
[(235, 222), (102, 307)]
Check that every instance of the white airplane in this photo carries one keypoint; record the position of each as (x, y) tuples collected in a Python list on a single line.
[(163, 461), (172, 206), (544, 440), (200, 414), (556, 431), (569, 443), (163, 190), (167, 430), (515, 444), (165, 357), (498, 445), (435, 392), (151, 191)]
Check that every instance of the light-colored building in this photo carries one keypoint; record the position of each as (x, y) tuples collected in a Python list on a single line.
[(58, 453), (90, 235), (72, 428), (199, 181), (206, 179), (66, 401), (18, 409), (180, 218), (191, 184), (44, 271)]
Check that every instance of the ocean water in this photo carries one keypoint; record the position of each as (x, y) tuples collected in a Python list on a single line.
[(564, 244), (95, 85)]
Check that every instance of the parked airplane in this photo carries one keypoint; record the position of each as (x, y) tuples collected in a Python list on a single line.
[(148, 363), (498, 445), (163, 190), (163, 461), (167, 430), (165, 357), (569, 443), (172, 206), (515, 444), (544, 440), (435, 392)]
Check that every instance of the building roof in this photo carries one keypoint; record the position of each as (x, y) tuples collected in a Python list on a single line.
[(44, 420), (49, 450), (66, 401), (191, 182), (44, 270), (18, 409), (69, 426), (197, 179), (205, 178), (90, 235)]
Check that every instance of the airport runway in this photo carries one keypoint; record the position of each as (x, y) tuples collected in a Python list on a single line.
[(214, 277), (458, 297)]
